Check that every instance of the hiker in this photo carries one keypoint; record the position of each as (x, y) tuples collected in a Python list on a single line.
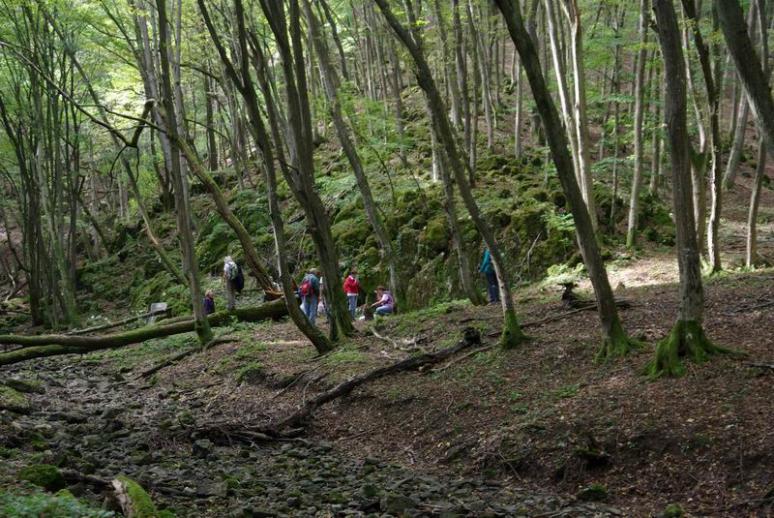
[(309, 291), (230, 274), (384, 304), (487, 268), (209, 303), (352, 289)]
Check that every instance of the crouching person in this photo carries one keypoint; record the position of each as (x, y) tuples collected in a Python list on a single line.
[(385, 303)]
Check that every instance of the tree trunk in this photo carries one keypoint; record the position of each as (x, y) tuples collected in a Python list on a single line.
[(581, 121), (242, 80), (687, 337), (301, 156), (615, 339), (512, 333), (655, 166), (739, 117), (751, 241), (712, 87), (639, 110), (331, 85), (190, 266)]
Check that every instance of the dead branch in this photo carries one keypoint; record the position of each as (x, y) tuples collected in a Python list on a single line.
[(179, 356), (471, 338), (292, 425)]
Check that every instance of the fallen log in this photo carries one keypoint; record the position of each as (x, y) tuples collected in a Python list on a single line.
[(111, 325), (53, 345)]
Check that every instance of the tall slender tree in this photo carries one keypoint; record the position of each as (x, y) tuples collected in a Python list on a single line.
[(687, 338), (512, 334), (616, 342)]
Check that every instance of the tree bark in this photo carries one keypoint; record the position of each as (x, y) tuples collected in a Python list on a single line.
[(182, 203), (687, 336), (331, 85), (301, 156), (639, 138), (243, 81), (747, 63)]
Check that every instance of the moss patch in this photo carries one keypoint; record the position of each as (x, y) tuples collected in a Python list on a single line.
[(43, 475), (11, 399), (141, 504)]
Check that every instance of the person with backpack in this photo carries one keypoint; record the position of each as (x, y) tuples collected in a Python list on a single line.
[(230, 274), (309, 291), (352, 289), (384, 304), (487, 268), (209, 303)]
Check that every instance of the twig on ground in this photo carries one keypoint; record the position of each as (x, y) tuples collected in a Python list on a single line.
[(182, 354), (769, 366), (460, 358), (296, 380)]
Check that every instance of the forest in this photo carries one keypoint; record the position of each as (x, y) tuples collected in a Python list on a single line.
[(267, 258)]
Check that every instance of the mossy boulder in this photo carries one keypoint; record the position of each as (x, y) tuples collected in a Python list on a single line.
[(593, 493), (134, 501), (673, 511), (435, 236), (13, 400), (27, 386), (43, 475)]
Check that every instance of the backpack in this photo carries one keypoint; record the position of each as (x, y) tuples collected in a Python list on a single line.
[(231, 271), (306, 288), (239, 281)]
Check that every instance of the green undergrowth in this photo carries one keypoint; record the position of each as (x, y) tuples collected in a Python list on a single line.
[(345, 354), (406, 323), (37, 504), (526, 208)]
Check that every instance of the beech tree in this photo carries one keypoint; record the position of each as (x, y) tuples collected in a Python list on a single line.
[(687, 338), (616, 342), (512, 334)]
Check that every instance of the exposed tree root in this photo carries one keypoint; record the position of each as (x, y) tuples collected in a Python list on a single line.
[(617, 344), (686, 341), (53, 345), (512, 335)]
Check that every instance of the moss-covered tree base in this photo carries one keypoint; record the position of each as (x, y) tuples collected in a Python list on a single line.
[(512, 336), (686, 341), (617, 343)]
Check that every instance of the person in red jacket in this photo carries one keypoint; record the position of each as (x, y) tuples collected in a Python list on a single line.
[(352, 289)]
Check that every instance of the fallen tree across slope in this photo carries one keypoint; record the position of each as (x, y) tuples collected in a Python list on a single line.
[(53, 345)]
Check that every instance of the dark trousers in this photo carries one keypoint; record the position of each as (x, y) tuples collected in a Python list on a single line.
[(492, 288)]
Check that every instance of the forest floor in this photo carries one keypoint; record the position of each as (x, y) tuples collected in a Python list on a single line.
[(537, 431)]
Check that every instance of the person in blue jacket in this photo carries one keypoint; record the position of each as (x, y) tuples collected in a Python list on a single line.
[(487, 268)]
